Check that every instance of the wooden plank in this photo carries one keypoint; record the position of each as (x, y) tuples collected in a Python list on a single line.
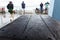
[(37, 30), (53, 26), (16, 28)]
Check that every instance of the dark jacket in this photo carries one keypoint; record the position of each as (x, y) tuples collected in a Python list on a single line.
[(41, 5), (23, 5), (10, 6)]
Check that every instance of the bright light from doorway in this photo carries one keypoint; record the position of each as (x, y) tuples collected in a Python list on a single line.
[(30, 4)]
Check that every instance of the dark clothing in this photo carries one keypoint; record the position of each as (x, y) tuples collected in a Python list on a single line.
[(10, 8), (41, 7), (23, 5)]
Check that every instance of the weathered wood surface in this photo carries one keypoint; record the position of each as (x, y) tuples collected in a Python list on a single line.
[(37, 30), (52, 25), (31, 27)]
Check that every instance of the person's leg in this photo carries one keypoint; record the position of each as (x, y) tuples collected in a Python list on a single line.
[(24, 11), (41, 10), (12, 15), (46, 10)]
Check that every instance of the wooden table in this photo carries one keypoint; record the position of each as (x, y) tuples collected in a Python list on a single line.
[(31, 27)]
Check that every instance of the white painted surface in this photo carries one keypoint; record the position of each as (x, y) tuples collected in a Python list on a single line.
[(51, 7), (6, 20)]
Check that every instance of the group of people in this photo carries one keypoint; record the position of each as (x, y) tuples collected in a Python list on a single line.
[(46, 7), (10, 7)]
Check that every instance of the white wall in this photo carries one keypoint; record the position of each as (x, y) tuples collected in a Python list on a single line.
[(51, 7)]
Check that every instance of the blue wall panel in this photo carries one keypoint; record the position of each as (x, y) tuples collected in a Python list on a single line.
[(56, 10)]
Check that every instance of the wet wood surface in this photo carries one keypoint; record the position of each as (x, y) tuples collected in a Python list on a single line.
[(31, 27)]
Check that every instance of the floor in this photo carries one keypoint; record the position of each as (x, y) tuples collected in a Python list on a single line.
[(6, 18), (31, 27)]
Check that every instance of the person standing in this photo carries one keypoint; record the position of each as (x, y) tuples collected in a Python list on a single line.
[(23, 6), (10, 7), (41, 7), (46, 7)]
